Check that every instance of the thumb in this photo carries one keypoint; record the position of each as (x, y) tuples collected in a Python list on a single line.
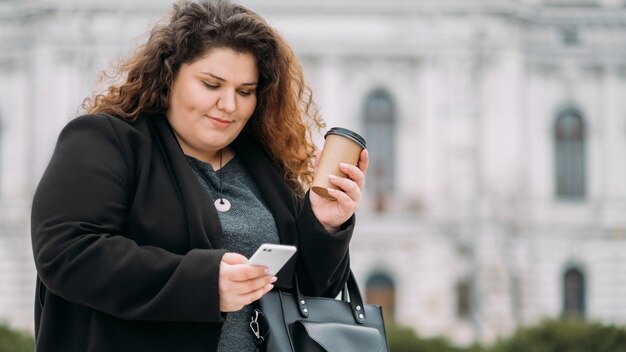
[(234, 258)]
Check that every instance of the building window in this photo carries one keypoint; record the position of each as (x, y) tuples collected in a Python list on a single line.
[(380, 290), (573, 293), (569, 36), (570, 155), (380, 126), (463, 299)]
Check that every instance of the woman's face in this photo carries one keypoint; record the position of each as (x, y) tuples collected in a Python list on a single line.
[(211, 101)]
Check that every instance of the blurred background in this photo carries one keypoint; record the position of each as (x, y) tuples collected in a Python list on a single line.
[(496, 195)]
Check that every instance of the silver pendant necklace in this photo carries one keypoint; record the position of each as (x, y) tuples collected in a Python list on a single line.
[(221, 204)]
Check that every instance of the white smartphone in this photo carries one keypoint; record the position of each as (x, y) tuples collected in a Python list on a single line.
[(272, 256)]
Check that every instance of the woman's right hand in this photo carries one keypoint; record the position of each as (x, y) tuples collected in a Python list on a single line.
[(240, 283)]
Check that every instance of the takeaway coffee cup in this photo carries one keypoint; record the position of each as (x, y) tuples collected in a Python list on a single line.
[(341, 146)]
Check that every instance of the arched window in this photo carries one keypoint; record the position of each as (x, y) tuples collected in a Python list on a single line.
[(573, 293), (380, 290), (380, 126), (570, 154)]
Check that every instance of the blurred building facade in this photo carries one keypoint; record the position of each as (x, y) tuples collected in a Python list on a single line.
[(496, 194)]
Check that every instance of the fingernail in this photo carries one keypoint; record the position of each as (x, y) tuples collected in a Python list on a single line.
[(333, 177), (266, 271), (273, 279), (269, 287), (343, 165), (332, 190)]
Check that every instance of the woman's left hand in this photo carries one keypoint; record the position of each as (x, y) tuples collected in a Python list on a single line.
[(332, 213)]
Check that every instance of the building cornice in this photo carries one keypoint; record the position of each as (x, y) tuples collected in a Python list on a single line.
[(521, 10), (514, 10)]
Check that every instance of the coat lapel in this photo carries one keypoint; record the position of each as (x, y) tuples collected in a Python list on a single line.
[(279, 198), (203, 223)]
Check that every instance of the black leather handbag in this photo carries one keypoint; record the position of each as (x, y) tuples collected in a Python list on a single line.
[(286, 322)]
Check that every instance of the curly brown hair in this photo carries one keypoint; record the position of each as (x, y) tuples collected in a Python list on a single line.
[(285, 115)]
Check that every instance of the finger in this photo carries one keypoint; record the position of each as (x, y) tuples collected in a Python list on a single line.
[(256, 295), (237, 267), (246, 287), (234, 258), (348, 186), (345, 204), (236, 302), (230, 290), (245, 272), (354, 173), (364, 160), (249, 286)]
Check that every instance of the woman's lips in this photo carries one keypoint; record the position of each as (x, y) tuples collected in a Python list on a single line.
[(218, 122)]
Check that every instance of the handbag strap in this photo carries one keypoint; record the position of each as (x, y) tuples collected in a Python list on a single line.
[(349, 294)]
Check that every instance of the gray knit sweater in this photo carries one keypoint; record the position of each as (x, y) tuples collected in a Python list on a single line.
[(245, 227)]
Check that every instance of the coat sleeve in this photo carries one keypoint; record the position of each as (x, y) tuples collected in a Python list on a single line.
[(81, 252), (325, 257)]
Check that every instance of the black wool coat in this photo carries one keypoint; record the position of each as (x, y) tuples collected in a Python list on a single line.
[(127, 243)]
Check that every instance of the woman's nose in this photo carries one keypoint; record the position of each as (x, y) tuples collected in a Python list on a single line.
[(227, 102)]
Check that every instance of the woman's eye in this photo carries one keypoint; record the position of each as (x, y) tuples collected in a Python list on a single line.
[(245, 93), (210, 86)]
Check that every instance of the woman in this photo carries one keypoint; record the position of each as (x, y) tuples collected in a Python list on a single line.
[(151, 204)]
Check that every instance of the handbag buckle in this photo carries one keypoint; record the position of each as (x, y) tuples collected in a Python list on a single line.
[(260, 327), (254, 325)]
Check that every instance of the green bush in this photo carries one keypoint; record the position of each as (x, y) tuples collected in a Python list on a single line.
[(403, 339), (15, 341), (565, 336), (549, 336)]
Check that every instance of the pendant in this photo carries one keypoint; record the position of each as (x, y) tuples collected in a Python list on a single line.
[(222, 204)]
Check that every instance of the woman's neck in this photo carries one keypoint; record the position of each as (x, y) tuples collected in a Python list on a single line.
[(217, 159)]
